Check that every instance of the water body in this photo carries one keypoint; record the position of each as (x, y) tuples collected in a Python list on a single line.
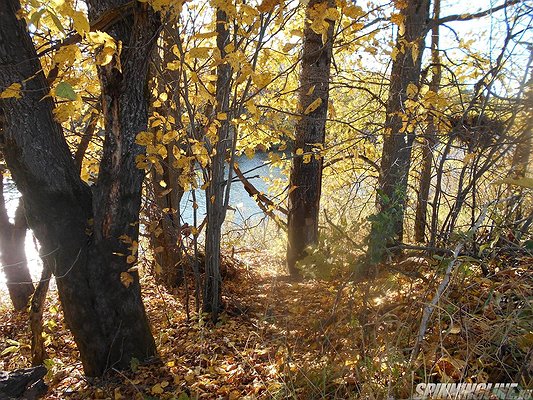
[(243, 206)]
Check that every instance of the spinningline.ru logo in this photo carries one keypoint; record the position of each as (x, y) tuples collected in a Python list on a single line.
[(471, 391)]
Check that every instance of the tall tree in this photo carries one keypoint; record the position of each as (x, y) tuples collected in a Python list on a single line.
[(306, 170), (399, 128), (85, 235), (13, 254), (215, 191), (430, 139)]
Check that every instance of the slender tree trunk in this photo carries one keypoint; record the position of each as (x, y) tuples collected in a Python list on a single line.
[(306, 170), (399, 129), (431, 134), (38, 302), (13, 254), (212, 302), (167, 198), (84, 237)]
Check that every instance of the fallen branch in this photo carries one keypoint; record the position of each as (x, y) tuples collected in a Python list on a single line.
[(262, 201)]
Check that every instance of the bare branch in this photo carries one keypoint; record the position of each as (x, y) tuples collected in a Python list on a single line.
[(469, 17)]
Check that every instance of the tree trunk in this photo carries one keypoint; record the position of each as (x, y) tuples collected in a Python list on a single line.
[(431, 134), (167, 198), (399, 135), (212, 301), (13, 254), (306, 170), (83, 236), (38, 302)]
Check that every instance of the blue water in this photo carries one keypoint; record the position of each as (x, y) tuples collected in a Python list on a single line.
[(243, 207)]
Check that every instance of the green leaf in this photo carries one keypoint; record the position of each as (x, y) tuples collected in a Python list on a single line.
[(36, 17), (10, 349), (65, 91), (134, 364), (57, 22)]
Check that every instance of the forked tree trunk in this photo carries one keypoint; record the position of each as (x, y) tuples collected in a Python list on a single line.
[(306, 170), (83, 235), (430, 141), (13, 254), (399, 135)]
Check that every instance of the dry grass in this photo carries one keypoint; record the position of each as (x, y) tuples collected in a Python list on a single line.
[(310, 340)]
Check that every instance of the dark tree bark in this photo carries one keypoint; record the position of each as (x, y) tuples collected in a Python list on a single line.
[(80, 233), (212, 301), (13, 254), (430, 141), (306, 170), (398, 138)]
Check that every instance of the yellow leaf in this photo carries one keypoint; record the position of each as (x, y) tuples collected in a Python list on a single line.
[(411, 90), (126, 279), (288, 47), (313, 106), (80, 22), (397, 19), (144, 138), (299, 152), (99, 37), (311, 90), (104, 56), (130, 259), (268, 5), (67, 54), (12, 91), (332, 14), (261, 80), (199, 52), (353, 11)]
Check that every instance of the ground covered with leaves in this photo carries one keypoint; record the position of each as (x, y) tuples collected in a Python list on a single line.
[(310, 339)]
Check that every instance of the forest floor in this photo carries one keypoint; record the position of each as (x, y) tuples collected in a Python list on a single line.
[(308, 340)]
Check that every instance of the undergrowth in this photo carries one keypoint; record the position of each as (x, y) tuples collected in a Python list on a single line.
[(315, 339)]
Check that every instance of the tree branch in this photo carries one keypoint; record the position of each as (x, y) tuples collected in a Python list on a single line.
[(469, 17), (107, 19)]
